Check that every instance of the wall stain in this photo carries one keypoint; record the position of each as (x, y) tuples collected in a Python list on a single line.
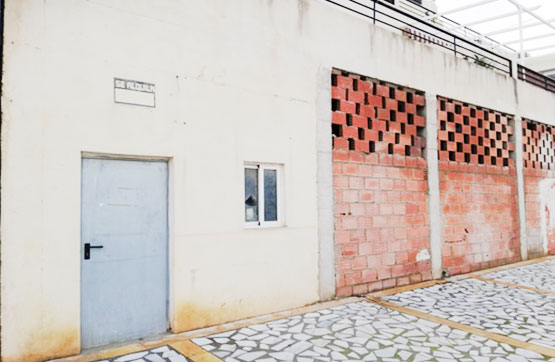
[(191, 315), (302, 8), (47, 344)]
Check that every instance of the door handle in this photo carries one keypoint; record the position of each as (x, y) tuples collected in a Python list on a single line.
[(88, 248)]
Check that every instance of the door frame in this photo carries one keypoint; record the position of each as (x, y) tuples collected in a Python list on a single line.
[(169, 229)]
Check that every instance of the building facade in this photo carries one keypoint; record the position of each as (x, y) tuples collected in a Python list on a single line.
[(173, 165)]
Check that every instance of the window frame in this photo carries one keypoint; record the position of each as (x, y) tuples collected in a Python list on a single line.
[(262, 223)]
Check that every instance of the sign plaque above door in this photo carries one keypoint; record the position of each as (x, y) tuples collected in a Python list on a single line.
[(134, 92)]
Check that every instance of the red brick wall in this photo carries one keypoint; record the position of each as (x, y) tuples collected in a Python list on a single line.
[(477, 187), (539, 164), (380, 187)]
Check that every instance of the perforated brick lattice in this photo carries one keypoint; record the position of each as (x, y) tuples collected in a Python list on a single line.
[(473, 134), (375, 116), (538, 145)]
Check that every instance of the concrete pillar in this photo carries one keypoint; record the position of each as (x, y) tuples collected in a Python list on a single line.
[(519, 163), (514, 66), (520, 186), (434, 204), (326, 247)]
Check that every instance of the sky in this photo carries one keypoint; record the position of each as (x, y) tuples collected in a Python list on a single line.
[(498, 7)]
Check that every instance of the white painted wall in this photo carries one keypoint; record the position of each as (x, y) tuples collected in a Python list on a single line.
[(219, 104), (535, 103), (235, 81)]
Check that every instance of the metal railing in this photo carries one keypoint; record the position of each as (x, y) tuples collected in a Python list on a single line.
[(535, 78), (463, 31), (380, 12)]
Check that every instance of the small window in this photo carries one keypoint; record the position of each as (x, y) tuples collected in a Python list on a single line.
[(263, 195)]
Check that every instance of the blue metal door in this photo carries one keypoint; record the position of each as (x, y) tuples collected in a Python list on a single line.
[(124, 272)]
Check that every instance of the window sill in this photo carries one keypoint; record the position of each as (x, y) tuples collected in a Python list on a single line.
[(264, 227)]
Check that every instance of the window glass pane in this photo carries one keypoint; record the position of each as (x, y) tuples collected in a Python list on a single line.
[(270, 195), (251, 194)]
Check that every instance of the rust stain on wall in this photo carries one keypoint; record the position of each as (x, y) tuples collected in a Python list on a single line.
[(191, 315), (47, 344)]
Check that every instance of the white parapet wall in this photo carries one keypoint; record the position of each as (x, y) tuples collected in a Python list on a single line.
[(234, 82), (542, 64)]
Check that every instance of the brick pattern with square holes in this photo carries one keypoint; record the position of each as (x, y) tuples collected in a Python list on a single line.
[(474, 135), (477, 187), (374, 116), (539, 164), (538, 145), (380, 187)]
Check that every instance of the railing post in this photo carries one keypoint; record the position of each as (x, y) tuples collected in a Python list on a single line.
[(374, 17), (455, 45)]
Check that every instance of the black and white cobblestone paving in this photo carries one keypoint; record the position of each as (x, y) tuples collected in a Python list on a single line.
[(358, 332), (514, 312), (158, 354), (367, 332), (539, 275)]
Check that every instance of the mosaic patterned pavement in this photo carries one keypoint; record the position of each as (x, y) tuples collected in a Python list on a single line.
[(365, 331), (359, 331), (517, 313), (158, 354), (539, 275)]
